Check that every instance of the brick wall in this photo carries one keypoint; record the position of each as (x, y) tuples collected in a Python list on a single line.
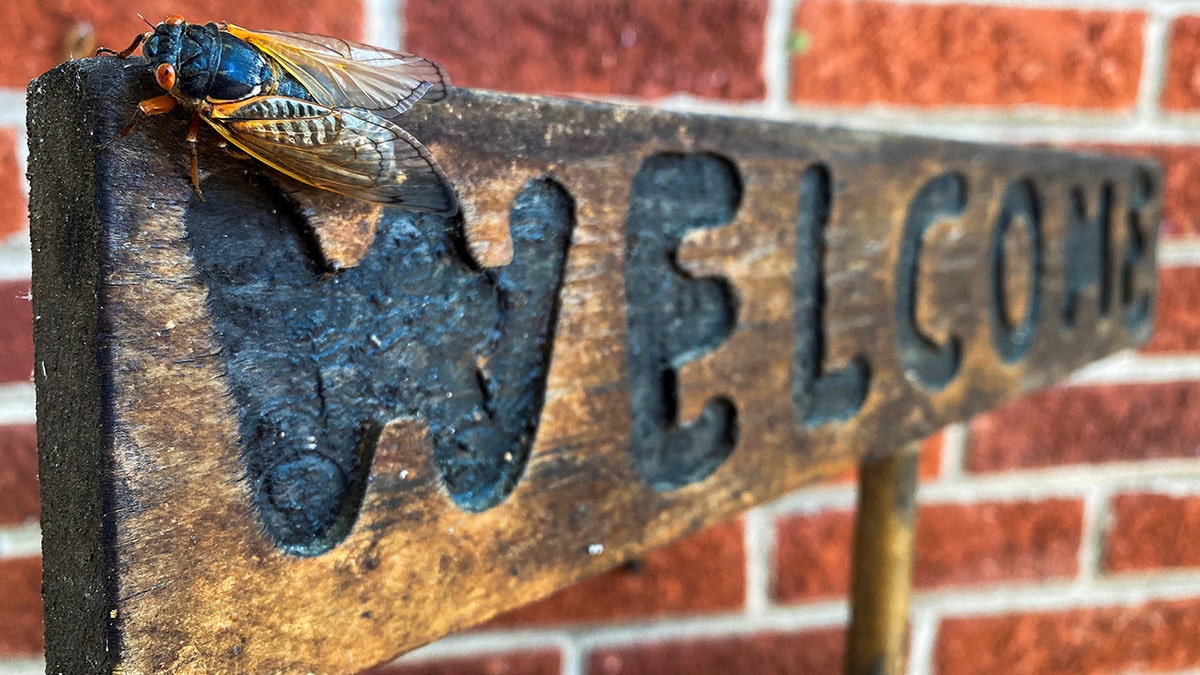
[(1060, 534)]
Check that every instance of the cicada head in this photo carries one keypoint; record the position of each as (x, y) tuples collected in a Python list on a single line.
[(185, 57)]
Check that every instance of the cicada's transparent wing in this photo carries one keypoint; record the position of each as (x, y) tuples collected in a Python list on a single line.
[(347, 150), (341, 73)]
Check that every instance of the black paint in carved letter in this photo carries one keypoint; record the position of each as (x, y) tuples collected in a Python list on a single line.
[(933, 365), (317, 363), (1012, 339), (1136, 305), (818, 396), (1088, 251), (673, 317)]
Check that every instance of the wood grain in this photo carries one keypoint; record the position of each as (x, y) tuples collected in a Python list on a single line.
[(650, 322)]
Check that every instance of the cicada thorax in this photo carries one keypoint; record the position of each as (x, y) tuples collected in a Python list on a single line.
[(210, 64)]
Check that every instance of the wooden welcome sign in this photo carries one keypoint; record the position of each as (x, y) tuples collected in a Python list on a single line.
[(640, 323)]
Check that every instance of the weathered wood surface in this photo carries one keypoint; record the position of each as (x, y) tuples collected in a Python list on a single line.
[(250, 464)]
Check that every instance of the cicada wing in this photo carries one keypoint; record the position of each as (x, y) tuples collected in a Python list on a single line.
[(341, 73), (351, 151)]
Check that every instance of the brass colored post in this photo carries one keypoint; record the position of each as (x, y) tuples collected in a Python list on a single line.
[(883, 555)]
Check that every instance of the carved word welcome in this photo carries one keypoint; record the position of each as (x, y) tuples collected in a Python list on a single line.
[(642, 322)]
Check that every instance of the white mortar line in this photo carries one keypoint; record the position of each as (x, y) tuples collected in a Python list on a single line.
[(12, 108), (1129, 367), (1178, 476), (1178, 253), (22, 154), (381, 20), (1057, 597), (15, 259), (491, 642), (812, 616), (17, 403), (777, 59), (12, 115), (587, 637), (922, 638), (1167, 8), (22, 667), (759, 545), (1091, 541), (954, 453), (1167, 486), (21, 541), (1154, 68), (574, 659), (402, 26), (1179, 6), (1160, 476)]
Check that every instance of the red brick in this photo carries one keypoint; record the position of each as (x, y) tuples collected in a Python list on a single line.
[(1181, 200), (21, 609), (812, 556), (1152, 531), (817, 651), (957, 544), (940, 55), (930, 463), (16, 332), (701, 574), (18, 474), (32, 33), (13, 207), (1153, 637), (960, 544), (710, 48), (1092, 424), (547, 662), (1177, 319), (1182, 88)]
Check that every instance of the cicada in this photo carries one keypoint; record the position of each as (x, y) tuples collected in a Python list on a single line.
[(319, 109)]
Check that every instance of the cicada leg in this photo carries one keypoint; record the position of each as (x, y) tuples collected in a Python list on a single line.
[(124, 53), (148, 108), (192, 136)]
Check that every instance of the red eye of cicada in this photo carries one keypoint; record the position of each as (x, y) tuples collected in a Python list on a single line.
[(164, 74)]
